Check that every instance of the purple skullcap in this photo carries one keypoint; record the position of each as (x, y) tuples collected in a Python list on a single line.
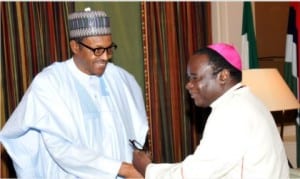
[(230, 54)]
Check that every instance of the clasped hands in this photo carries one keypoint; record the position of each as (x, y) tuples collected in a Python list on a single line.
[(141, 158)]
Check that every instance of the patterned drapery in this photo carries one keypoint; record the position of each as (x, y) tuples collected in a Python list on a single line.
[(33, 35), (172, 31)]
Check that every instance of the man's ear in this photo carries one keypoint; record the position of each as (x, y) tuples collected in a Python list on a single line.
[(223, 76), (74, 46)]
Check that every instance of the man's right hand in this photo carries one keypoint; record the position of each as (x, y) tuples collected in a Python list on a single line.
[(141, 161)]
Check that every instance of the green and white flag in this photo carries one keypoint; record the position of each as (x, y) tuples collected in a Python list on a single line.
[(292, 65), (249, 52)]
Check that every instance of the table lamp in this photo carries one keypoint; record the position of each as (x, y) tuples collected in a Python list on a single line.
[(268, 85)]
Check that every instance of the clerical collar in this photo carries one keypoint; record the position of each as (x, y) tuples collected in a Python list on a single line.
[(226, 94)]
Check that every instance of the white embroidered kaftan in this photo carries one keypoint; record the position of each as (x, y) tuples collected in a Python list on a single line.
[(69, 124)]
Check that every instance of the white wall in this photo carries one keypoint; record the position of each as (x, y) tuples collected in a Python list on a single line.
[(227, 22)]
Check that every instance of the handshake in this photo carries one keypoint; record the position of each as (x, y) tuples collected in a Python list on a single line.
[(141, 157)]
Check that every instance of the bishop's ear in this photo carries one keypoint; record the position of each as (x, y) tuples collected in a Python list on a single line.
[(223, 75)]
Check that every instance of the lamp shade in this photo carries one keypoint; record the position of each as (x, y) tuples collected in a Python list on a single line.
[(268, 85)]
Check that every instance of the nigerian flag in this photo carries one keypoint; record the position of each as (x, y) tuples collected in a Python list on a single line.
[(249, 52), (291, 66), (291, 56)]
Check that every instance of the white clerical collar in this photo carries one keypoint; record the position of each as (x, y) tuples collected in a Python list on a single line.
[(226, 95)]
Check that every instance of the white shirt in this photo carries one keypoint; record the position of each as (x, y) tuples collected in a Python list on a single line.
[(240, 140), (69, 124)]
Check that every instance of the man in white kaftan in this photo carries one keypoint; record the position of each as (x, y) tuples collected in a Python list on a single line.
[(71, 124), (240, 138)]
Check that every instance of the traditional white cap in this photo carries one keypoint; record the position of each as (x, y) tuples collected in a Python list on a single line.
[(88, 23)]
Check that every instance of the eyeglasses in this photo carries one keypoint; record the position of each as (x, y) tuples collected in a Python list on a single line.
[(99, 51), (136, 145)]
